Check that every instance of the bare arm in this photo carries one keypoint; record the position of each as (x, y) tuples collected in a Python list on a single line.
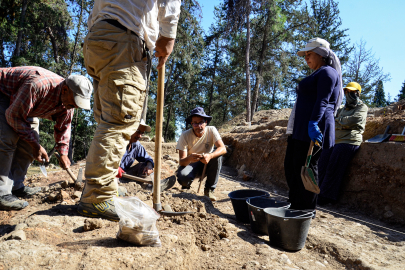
[(184, 160), (221, 150)]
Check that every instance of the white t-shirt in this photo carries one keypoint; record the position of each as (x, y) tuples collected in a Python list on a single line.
[(192, 144), (147, 18)]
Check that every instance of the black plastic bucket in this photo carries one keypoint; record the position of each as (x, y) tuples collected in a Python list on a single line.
[(288, 228), (256, 215), (238, 199)]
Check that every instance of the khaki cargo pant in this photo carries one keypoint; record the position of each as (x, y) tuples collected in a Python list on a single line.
[(117, 61), (15, 153)]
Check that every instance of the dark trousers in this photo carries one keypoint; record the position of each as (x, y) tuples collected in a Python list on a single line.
[(332, 168), (137, 170), (295, 158), (186, 174)]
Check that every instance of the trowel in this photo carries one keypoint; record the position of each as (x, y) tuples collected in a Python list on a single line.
[(43, 169)]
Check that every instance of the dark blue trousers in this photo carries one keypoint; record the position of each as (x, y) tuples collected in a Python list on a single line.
[(186, 174), (332, 168)]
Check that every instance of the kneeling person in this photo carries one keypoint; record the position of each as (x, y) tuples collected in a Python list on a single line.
[(135, 151), (196, 148)]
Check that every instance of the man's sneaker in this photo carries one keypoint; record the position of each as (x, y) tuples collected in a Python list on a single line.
[(99, 210), (26, 191), (210, 194), (11, 202)]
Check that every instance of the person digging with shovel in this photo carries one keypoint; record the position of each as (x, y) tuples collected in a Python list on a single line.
[(27, 93), (196, 148), (116, 54)]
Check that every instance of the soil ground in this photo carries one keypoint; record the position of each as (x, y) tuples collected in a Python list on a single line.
[(209, 239), (340, 237)]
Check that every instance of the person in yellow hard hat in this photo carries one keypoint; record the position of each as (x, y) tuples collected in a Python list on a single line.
[(350, 122)]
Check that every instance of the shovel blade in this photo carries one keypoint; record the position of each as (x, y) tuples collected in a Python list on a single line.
[(309, 184)]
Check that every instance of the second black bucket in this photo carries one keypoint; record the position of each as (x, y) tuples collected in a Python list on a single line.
[(288, 228), (257, 216), (238, 199)]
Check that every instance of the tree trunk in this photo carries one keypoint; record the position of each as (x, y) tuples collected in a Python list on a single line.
[(72, 60), (259, 77), (3, 61), (213, 76), (248, 115), (54, 46), (167, 122), (73, 138), (20, 31)]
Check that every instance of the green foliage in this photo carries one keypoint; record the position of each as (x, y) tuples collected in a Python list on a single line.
[(401, 94), (379, 96)]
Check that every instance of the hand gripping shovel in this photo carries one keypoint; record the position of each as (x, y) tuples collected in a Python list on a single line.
[(77, 181), (307, 175), (158, 149)]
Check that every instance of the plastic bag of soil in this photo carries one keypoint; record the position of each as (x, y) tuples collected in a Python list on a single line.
[(137, 223)]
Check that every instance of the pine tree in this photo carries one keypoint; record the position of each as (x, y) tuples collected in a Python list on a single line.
[(401, 94), (379, 97)]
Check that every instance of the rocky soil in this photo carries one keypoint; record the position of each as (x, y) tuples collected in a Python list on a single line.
[(49, 234)]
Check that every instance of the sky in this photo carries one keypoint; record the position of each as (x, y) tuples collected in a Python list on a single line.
[(381, 24)]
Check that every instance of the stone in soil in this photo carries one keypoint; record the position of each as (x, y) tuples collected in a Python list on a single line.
[(92, 224)]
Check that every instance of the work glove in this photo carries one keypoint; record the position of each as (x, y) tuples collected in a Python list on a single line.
[(314, 132), (120, 172)]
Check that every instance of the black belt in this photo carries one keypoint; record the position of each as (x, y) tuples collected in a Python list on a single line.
[(117, 24)]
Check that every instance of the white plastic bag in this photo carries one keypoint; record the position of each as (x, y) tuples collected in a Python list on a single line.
[(137, 222)]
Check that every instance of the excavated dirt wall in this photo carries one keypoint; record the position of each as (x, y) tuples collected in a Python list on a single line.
[(374, 183)]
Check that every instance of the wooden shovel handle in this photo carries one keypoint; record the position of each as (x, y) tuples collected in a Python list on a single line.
[(201, 178), (69, 171), (309, 156)]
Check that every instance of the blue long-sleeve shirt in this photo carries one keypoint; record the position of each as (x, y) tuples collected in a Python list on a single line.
[(137, 152), (317, 95)]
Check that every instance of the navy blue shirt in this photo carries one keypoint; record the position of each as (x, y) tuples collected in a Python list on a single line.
[(317, 95), (138, 153)]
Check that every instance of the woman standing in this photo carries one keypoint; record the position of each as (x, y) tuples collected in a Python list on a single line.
[(318, 97), (350, 123)]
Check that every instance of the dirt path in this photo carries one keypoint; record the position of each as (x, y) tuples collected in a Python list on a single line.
[(209, 239)]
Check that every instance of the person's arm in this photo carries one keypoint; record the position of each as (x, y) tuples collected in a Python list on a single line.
[(360, 113), (221, 150), (184, 160), (62, 129), (168, 17)]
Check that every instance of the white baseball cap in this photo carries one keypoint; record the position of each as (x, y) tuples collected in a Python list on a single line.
[(312, 44), (145, 126), (82, 89)]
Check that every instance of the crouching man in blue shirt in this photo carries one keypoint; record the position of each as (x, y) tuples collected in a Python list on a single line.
[(135, 151)]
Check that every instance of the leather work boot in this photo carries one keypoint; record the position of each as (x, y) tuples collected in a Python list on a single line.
[(104, 210), (210, 194), (11, 202), (26, 191)]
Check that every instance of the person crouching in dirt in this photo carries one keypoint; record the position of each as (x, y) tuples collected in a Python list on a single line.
[(312, 119), (25, 94), (135, 151), (196, 148), (350, 123)]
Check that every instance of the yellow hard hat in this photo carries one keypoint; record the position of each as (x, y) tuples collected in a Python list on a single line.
[(353, 86)]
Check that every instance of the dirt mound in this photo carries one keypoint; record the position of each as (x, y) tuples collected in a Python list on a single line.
[(374, 182)]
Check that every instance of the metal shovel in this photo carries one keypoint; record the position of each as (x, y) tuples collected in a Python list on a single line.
[(380, 138), (307, 175), (158, 148)]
